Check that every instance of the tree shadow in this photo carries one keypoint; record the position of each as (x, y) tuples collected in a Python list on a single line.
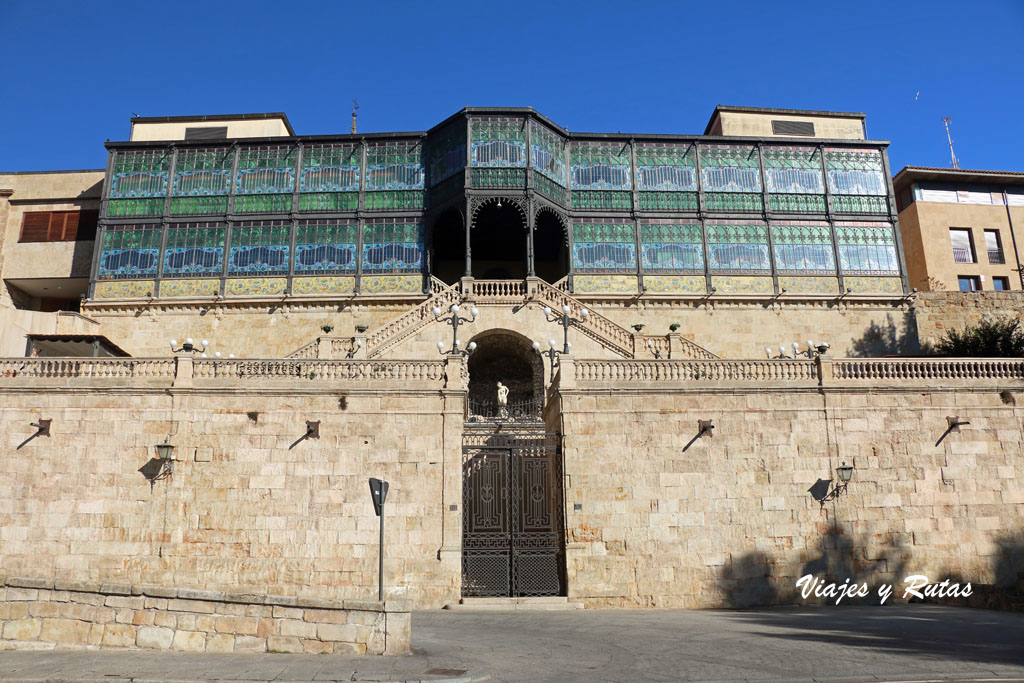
[(749, 581), (754, 579), (1009, 564), (890, 339)]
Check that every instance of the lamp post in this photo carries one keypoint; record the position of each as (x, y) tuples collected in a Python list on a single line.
[(455, 320), (566, 319)]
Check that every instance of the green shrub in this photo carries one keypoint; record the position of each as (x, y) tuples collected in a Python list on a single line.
[(988, 339)]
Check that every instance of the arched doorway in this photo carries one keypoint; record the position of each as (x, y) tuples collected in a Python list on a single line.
[(498, 240), (506, 357), (550, 246), (448, 247)]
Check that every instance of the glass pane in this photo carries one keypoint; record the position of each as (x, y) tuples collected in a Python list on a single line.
[(738, 248), (194, 248), (393, 245), (962, 248), (601, 166), (730, 168), (605, 246), (130, 251), (325, 246), (330, 168), (498, 142)]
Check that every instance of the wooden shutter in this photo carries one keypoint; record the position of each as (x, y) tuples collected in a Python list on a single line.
[(63, 226), (35, 226)]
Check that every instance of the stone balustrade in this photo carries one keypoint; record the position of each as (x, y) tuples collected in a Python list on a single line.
[(189, 371), (496, 291), (929, 369), (46, 614), (91, 368), (822, 371)]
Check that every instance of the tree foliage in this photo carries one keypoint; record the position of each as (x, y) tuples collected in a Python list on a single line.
[(988, 339)]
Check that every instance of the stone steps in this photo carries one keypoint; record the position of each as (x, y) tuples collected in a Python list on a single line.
[(546, 604)]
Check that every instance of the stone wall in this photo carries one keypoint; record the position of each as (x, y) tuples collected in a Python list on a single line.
[(251, 506), (655, 516), (938, 312), (659, 518), (730, 329), (43, 614)]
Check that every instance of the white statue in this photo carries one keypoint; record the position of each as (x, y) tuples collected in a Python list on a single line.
[(502, 394)]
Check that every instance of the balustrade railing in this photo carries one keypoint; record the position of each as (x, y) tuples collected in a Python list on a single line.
[(696, 371), (401, 327), (929, 369), (850, 371), (91, 368), (322, 370), (499, 290), (607, 332)]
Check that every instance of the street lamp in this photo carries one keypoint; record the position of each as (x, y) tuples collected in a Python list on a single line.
[(566, 319), (188, 346), (455, 320), (552, 353), (165, 453)]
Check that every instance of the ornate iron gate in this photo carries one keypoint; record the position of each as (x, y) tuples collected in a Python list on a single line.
[(512, 530)]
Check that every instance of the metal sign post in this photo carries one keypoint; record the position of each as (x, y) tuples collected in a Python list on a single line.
[(379, 493)]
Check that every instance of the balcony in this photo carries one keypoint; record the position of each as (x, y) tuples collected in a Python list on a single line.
[(994, 256), (961, 255)]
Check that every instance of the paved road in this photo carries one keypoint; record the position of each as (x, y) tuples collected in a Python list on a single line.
[(892, 643)]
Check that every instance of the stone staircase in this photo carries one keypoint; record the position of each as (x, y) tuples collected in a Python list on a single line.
[(532, 291), (610, 334), (413, 320)]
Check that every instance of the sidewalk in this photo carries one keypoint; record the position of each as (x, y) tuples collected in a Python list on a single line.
[(890, 643)]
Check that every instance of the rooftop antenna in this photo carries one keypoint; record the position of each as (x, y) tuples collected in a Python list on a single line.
[(956, 163), (355, 106)]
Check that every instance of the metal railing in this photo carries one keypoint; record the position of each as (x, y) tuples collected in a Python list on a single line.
[(961, 255), (527, 409), (996, 256)]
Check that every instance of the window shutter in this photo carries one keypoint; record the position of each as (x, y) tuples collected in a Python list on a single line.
[(35, 226), (70, 226)]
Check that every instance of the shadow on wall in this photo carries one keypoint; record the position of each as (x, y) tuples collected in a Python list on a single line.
[(754, 579), (1009, 563), (890, 339)]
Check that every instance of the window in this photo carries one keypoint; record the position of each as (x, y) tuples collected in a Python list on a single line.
[(994, 247), (963, 247), (206, 133), (1001, 284), (969, 283), (58, 226)]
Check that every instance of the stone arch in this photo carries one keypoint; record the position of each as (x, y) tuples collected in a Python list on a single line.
[(518, 203), (499, 238), (507, 356)]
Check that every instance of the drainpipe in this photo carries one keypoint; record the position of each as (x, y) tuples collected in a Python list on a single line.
[(1013, 238)]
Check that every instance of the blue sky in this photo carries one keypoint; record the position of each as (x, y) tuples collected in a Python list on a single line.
[(75, 72)]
